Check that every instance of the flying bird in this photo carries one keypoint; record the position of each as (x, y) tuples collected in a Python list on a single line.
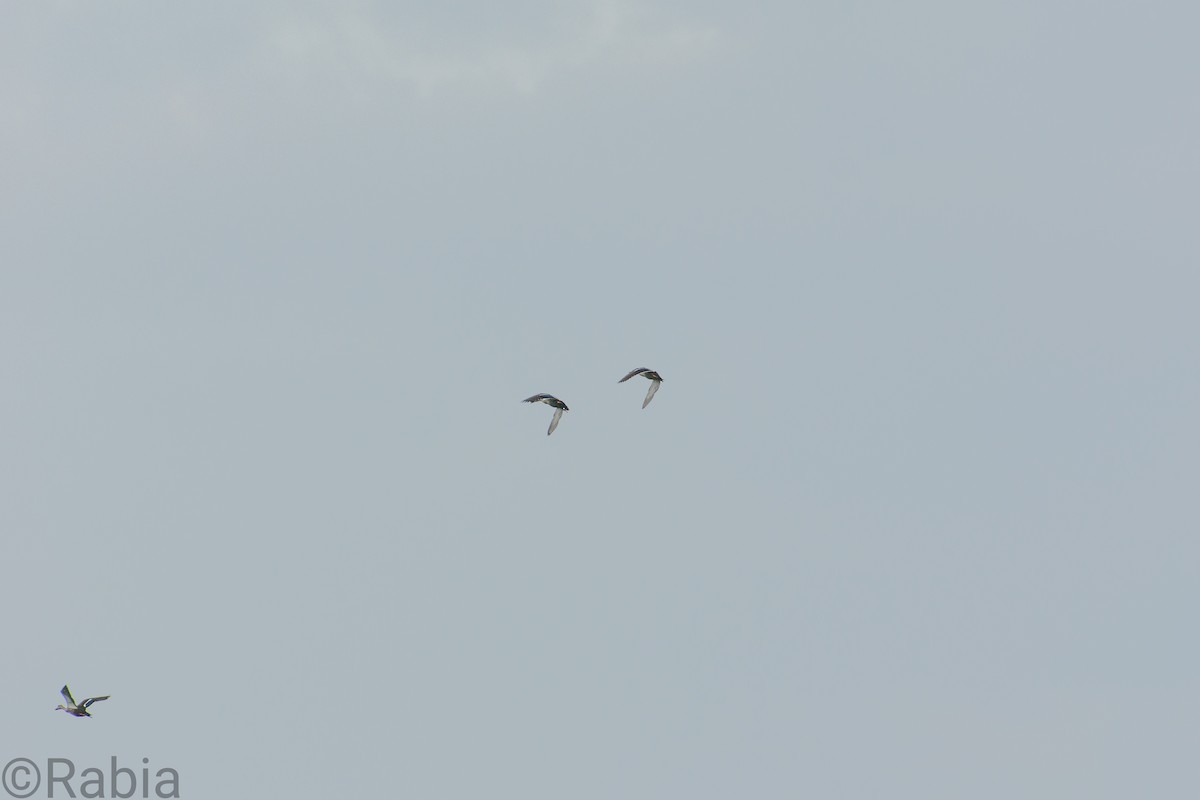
[(80, 710), (655, 382), (550, 400)]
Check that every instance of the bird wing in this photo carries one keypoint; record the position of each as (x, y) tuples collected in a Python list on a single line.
[(637, 371), (66, 693), (650, 394), (91, 700), (537, 398), (554, 422)]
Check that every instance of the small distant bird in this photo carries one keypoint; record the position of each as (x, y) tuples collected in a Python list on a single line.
[(549, 400), (80, 710), (655, 382)]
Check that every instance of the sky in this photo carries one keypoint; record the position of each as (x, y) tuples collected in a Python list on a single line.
[(913, 514)]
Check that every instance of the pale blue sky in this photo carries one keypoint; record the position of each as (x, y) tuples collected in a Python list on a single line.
[(913, 515)]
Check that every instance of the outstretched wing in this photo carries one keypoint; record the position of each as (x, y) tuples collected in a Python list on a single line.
[(66, 693), (650, 394), (637, 371), (554, 422), (91, 700), (537, 398)]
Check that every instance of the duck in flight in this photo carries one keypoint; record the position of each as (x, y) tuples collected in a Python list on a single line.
[(80, 710), (550, 400), (655, 382)]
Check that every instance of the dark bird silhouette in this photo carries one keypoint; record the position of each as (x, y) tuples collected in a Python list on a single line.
[(80, 710), (655, 382), (550, 400)]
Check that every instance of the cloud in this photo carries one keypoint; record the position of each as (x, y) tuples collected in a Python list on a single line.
[(363, 45)]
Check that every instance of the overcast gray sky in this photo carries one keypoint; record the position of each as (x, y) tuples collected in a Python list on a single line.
[(912, 516)]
